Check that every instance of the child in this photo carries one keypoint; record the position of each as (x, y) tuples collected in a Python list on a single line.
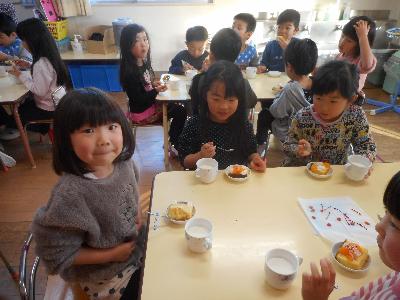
[(48, 72), (245, 24), (137, 79), (225, 45), (288, 25), (355, 47), (300, 59), (196, 53), (222, 124), (325, 130), (10, 45), (90, 231), (319, 287)]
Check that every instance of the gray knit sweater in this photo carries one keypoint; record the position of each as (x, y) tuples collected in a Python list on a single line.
[(97, 213)]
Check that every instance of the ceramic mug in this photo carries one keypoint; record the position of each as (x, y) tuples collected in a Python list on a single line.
[(357, 167), (198, 234), (251, 72), (281, 267), (207, 170)]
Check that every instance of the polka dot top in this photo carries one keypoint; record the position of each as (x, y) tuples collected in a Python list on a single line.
[(222, 136)]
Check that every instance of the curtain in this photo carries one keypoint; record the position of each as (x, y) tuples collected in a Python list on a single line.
[(70, 8)]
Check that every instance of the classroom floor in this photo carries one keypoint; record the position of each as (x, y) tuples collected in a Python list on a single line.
[(23, 189)]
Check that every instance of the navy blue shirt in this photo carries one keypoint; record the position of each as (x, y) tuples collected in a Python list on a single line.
[(273, 57), (177, 66)]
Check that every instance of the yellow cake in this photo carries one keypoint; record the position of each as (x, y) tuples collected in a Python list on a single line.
[(180, 211), (352, 255)]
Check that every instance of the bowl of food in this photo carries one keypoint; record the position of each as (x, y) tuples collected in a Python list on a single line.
[(180, 212), (237, 172), (320, 170), (351, 256), (274, 73)]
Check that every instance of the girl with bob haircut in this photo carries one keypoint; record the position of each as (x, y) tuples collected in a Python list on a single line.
[(90, 231)]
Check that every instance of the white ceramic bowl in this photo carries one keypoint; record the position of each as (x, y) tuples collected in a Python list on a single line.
[(180, 222), (329, 174), (274, 73), (335, 249), (228, 170)]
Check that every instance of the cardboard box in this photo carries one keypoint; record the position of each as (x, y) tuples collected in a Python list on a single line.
[(101, 47)]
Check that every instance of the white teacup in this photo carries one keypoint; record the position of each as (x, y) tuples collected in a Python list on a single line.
[(190, 73), (198, 234), (357, 167), (251, 72), (281, 267), (3, 71), (207, 170)]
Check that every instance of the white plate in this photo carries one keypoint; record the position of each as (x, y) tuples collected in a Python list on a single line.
[(329, 174), (274, 73), (179, 221), (229, 169), (165, 78), (335, 249)]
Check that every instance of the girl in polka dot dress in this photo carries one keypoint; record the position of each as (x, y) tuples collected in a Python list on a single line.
[(221, 130)]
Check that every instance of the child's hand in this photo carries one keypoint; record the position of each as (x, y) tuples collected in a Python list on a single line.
[(207, 150), (159, 87), (261, 69), (362, 28), (257, 163), (123, 251), (22, 63), (3, 56), (206, 65), (187, 66), (304, 148), (282, 42), (318, 286), (15, 71)]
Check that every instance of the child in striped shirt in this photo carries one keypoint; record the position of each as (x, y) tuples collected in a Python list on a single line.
[(317, 286)]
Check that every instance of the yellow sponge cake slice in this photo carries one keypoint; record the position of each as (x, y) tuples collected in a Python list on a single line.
[(180, 211), (352, 255)]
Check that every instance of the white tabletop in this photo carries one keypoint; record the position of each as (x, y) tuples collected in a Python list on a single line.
[(249, 218), (10, 90), (70, 55)]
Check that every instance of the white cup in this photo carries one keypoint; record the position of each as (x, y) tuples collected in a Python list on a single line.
[(198, 234), (190, 74), (251, 72), (3, 71), (207, 170), (281, 267), (357, 167)]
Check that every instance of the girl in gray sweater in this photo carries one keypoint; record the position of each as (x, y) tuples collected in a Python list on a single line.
[(90, 231)]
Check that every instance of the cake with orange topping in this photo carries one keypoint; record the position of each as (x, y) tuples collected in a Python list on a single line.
[(320, 168), (352, 255)]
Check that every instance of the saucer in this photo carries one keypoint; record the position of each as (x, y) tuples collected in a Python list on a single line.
[(228, 170), (274, 73), (319, 176), (180, 222), (335, 249)]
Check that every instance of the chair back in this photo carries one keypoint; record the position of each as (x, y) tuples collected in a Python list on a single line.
[(27, 286)]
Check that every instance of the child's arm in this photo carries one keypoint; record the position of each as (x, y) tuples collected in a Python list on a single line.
[(254, 60), (207, 150), (251, 97), (257, 163), (318, 286), (4, 56), (283, 105), (91, 256), (367, 58), (264, 60), (137, 94), (176, 65), (362, 141), (295, 146)]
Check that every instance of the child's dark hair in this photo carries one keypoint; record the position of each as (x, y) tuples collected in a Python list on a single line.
[(41, 44), (289, 15), (302, 55), (248, 19), (350, 31), (7, 24), (231, 76), (196, 33), (226, 44), (128, 63), (77, 108), (391, 198), (336, 75)]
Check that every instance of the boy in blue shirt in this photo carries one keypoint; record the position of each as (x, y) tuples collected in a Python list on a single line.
[(288, 25), (194, 56), (10, 44), (245, 24)]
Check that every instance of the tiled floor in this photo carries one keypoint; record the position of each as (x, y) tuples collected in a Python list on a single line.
[(23, 189)]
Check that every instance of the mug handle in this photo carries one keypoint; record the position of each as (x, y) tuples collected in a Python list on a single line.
[(197, 173), (299, 260), (207, 243)]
